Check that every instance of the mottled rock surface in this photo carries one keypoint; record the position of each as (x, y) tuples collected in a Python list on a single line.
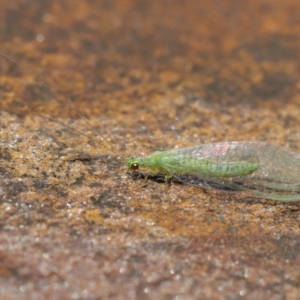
[(149, 75)]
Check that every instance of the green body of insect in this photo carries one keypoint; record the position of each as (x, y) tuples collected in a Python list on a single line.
[(261, 169), (171, 162)]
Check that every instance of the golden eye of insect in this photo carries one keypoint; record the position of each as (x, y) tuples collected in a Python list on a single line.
[(134, 166)]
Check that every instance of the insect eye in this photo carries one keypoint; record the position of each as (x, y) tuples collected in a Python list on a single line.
[(134, 166)]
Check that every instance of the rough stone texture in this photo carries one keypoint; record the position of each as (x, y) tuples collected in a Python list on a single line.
[(149, 75)]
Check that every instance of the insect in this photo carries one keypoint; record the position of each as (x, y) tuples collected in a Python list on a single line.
[(260, 169)]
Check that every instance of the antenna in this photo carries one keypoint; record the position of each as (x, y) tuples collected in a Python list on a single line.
[(71, 106)]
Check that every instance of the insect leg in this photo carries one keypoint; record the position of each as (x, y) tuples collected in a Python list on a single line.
[(168, 180), (147, 174)]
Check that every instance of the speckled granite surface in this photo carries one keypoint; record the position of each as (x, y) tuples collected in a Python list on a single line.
[(149, 75)]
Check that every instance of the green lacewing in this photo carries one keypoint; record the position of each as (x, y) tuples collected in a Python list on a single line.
[(260, 169)]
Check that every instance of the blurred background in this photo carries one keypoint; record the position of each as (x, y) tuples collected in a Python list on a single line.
[(149, 75)]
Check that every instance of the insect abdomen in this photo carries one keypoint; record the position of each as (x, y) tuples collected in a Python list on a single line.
[(185, 165), (228, 169)]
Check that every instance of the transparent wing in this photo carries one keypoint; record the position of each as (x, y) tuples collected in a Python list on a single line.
[(276, 176)]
